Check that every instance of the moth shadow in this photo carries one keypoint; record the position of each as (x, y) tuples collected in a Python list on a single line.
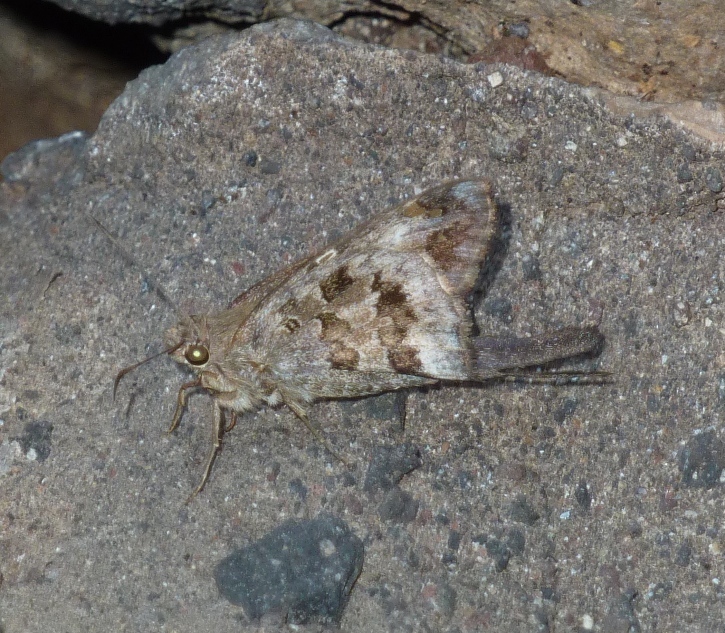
[(493, 262), (387, 407)]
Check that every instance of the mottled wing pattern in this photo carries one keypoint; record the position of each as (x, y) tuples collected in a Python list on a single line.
[(385, 306), (195, 328)]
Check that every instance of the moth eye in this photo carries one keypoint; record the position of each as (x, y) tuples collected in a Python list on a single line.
[(197, 355)]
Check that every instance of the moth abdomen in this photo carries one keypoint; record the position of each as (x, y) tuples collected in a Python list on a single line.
[(496, 354)]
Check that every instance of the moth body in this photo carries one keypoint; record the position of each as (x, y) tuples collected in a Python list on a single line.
[(383, 308)]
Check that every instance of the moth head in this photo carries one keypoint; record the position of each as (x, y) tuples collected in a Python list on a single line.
[(188, 343)]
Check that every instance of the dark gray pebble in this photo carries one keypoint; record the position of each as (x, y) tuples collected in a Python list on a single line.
[(702, 460), (713, 179), (519, 29), (304, 570)]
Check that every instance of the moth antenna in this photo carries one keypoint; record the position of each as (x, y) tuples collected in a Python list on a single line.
[(130, 368), (157, 288)]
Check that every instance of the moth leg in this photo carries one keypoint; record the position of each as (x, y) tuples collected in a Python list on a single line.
[(181, 403), (218, 430), (232, 422), (302, 415)]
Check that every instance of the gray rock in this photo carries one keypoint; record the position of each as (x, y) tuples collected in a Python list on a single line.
[(158, 13), (521, 511), (36, 440), (702, 461), (305, 570), (58, 162), (101, 524)]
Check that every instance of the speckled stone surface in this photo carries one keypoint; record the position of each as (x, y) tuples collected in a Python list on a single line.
[(538, 507)]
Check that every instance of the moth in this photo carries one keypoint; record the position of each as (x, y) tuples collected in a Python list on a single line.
[(385, 307)]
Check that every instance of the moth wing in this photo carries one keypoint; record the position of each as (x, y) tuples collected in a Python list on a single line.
[(385, 301), (450, 227), (247, 302)]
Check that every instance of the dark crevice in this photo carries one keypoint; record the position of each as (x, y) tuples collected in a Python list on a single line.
[(400, 20), (129, 45)]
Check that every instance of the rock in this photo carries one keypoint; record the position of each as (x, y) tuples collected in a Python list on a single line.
[(304, 570), (354, 129)]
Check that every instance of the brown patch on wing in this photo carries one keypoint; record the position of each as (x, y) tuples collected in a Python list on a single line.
[(343, 357), (394, 310), (395, 317), (333, 327), (292, 325), (441, 245), (453, 228), (335, 284), (435, 203), (416, 208), (335, 331), (405, 359)]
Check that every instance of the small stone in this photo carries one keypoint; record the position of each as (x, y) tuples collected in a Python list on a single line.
[(454, 540), (583, 495), (297, 488), (587, 622), (683, 555), (271, 471), (531, 268), (499, 552), (250, 158), (304, 570), (702, 461), (495, 79), (619, 616), (684, 173), (713, 179), (529, 111), (682, 313), (269, 167), (208, 200), (566, 410), (516, 541), (634, 529), (519, 29), (36, 440)]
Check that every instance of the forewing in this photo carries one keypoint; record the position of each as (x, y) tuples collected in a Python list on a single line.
[(386, 299)]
